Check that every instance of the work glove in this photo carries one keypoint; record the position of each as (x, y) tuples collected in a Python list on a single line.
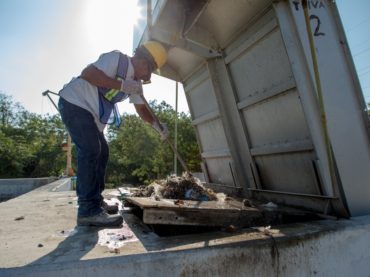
[(131, 87), (162, 129)]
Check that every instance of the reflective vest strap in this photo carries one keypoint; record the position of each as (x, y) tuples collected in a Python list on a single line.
[(111, 93), (108, 97)]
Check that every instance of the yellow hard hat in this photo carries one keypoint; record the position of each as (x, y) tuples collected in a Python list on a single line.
[(157, 51)]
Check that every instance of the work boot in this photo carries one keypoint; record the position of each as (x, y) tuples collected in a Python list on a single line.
[(110, 209), (101, 220)]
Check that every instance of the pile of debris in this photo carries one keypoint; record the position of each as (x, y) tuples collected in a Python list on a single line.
[(186, 187)]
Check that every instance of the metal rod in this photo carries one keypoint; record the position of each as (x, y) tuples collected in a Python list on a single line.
[(293, 194), (320, 95), (46, 93), (335, 181), (176, 119), (149, 15), (167, 140)]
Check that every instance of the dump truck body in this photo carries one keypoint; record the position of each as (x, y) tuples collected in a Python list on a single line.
[(248, 75)]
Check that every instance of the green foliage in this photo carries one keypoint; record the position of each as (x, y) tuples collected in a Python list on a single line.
[(46, 134), (9, 110), (130, 153), (137, 155), (30, 144), (14, 152)]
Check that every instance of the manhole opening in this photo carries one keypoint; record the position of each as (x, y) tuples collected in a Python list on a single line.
[(168, 230), (269, 218), (176, 230)]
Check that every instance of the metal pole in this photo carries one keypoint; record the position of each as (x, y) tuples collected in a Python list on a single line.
[(149, 15), (69, 170), (175, 143), (319, 93), (329, 150)]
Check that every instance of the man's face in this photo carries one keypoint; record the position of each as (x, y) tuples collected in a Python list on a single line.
[(143, 70)]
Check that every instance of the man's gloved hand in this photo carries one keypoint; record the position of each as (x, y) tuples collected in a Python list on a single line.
[(162, 129), (131, 87)]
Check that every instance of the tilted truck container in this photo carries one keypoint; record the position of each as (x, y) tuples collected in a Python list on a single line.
[(274, 98)]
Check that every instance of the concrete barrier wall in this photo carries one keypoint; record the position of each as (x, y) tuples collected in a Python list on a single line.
[(330, 248), (10, 188)]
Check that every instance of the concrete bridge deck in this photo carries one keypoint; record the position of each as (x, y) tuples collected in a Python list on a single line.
[(39, 238)]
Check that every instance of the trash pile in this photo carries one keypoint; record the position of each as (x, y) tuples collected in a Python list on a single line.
[(186, 187)]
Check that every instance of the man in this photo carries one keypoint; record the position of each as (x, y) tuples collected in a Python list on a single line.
[(88, 103)]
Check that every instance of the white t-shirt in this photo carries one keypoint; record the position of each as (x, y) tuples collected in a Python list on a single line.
[(81, 93)]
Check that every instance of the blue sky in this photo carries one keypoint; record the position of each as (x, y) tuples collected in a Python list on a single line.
[(44, 43), (355, 15), (47, 42)]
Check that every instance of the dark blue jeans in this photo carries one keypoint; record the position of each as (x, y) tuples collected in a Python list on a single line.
[(92, 156)]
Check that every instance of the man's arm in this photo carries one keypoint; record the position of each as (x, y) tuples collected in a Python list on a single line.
[(98, 78), (147, 115), (144, 113)]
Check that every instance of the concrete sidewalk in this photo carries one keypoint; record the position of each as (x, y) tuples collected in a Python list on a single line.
[(39, 238)]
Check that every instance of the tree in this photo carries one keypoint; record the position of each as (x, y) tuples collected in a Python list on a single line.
[(9, 110), (131, 150), (45, 135), (138, 156), (30, 144)]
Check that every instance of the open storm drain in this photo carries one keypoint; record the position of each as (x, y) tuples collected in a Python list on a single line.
[(182, 205)]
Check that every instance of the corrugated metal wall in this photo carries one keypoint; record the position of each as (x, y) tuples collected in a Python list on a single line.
[(210, 132), (270, 110), (247, 73)]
